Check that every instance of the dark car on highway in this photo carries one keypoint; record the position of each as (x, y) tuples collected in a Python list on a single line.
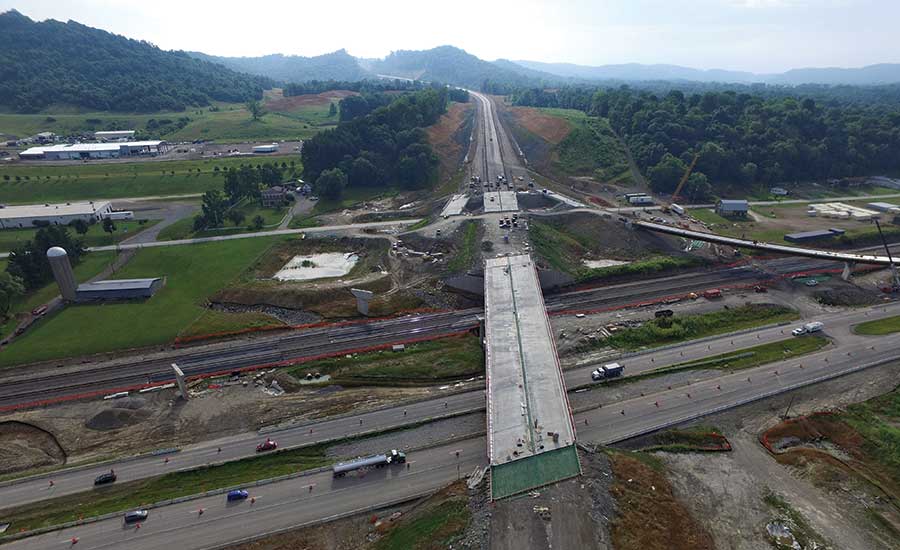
[(104, 479), (136, 515), (237, 494)]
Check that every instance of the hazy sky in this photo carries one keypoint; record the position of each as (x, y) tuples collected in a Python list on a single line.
[(753, 35)]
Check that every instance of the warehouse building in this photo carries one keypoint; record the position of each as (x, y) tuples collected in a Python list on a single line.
[(14, 217), (84, 151), (812, 236), (732, 208), (118, 289), (114, 135), (270, 148)]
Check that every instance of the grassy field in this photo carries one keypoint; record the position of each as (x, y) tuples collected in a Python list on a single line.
[(434, 528), (878, 421), (184, 228), (90, 265), (709, 216), (591, 148), (193, 272), (228, 122), (425, 362), (880, 327), (563, 249), (352, 196), (757, 355), (690, 327), (125, 496), (10, 238), (655, 264), (26, 184), (462, 259)]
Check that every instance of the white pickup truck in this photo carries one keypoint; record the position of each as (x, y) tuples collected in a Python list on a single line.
[(808, 328)]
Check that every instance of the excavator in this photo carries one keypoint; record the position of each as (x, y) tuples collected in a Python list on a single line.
[(670, 206)]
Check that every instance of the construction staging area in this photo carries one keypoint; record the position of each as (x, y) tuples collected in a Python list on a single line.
[(531, 436)]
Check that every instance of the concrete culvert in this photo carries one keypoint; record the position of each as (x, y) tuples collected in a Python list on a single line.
[(26, 446)]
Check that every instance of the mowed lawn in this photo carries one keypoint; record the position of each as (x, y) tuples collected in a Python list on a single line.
[(39, 183), (11, 238), (228, 122), (92, 264), (193, 273), (184, 228)]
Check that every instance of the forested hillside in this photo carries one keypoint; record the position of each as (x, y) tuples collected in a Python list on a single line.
[(338, 65), (362, 86), (52, 63), (455, 66), (379, 147), (741, 138)]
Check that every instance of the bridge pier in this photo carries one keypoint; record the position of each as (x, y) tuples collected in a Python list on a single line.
[(848, 269)]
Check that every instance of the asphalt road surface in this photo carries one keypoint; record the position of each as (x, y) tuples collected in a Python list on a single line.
[(299, 501), (243, 445), (18, 388), (278, 506)]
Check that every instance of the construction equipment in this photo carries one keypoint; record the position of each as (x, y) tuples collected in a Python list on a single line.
[(895, 279), (687, 174)]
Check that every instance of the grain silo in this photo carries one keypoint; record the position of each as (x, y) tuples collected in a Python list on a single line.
[(62, 272)]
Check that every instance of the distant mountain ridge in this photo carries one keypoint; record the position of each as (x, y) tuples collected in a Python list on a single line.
[(884, 73), (338, 65)]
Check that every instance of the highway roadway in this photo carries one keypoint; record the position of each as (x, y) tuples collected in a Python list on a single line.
[(243, 445), (20, 388), (291, 503), (278, 506)]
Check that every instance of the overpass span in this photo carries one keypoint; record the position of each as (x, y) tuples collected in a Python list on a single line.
[(848, 258)]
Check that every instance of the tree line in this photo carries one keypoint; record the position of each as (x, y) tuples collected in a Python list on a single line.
[(243, 182), (377, 146), (48, 63), (741, 138), (361, 86)]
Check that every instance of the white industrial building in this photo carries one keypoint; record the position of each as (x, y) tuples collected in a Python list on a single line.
[(271, 148), (14, 217), (114, 135), (78, 151)]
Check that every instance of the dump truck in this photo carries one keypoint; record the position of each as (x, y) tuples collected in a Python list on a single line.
[(365, 463), (611, 370)]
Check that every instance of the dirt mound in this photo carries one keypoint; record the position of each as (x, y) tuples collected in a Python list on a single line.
[(846, 295), (26, 446), (550, 128), (650, 515), (292, 103), (126, 412)]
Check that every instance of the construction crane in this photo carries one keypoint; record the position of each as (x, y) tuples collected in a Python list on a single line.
[(684, 178), (895, 278)]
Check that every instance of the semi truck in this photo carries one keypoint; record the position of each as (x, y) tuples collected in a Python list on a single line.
[(611, 370), (375, 461)]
